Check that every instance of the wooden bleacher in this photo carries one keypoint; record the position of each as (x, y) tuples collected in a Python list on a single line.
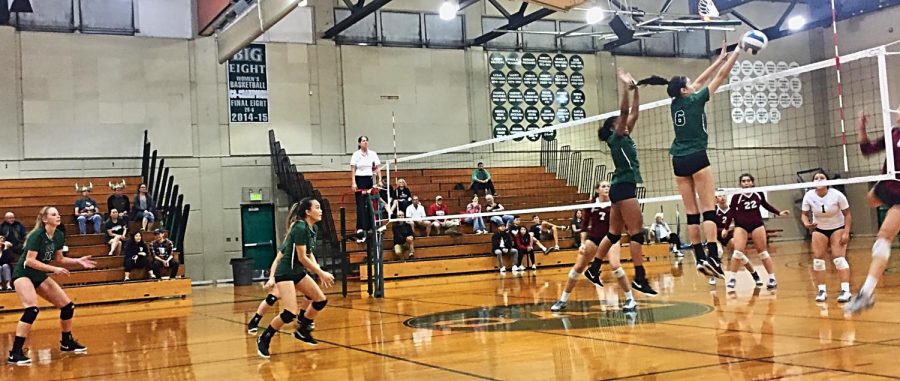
[(439, 255), (103, 284)]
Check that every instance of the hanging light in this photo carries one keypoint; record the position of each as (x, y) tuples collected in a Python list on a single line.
[(595, 14), (448, 10), (796, 22)]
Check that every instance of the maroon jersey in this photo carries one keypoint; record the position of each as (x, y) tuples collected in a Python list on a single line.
[(596, 221), (745, 210), (723, 218), (873, 147)]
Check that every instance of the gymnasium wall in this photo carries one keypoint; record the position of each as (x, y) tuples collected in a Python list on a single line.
[(76, 104)]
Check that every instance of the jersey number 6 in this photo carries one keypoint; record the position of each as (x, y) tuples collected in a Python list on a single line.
[(679, 118)]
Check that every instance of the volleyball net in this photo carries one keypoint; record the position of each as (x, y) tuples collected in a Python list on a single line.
[(776, 120)]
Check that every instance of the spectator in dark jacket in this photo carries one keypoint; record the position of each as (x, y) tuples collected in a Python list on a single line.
[(502, 243), (119, 201), (137, 255), (144, 208), (403, 238), (86, 209), (403, 196), (14, 232), (163, 252), (6, 264)]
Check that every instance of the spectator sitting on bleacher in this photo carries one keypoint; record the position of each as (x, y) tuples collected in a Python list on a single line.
[(6, 264), (136, 255), (14, 232), (525, 245), (543, 230), (660, 232), (144, 208), (118, 200), (476, 221), (383, 191), (481, 180), (502, 243), (576, 227), (513, 226), (441, 209), (403, 238), (417, 210), (402, 197), (163, 255), (493, 206), (86, 209), (115, 227)]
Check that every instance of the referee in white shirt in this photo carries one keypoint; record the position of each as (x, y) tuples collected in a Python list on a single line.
[(363, 165)]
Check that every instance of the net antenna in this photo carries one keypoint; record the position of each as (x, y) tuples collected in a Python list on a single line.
[(707, 10)]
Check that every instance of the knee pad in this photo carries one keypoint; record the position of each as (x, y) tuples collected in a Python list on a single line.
[(764, 255), (614, 238), (638, 238), (498, 252), (67, 311), (287, 316), (881, 249), (819, 264), (840, 263), (693, 219), (619, 273), (271, 299), (573, 275), (30, 315), (709, 215), (740, 256), (318, 306)]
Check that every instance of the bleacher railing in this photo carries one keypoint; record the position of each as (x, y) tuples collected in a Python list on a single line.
[(171, 210)]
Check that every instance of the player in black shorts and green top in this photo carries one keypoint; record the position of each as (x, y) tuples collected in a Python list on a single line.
[(291, 275), (625, 213), (272, 297), (693, 174), (43, 245)]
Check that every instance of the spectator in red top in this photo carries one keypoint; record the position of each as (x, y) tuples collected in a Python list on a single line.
[(524, 242), (441, 209)]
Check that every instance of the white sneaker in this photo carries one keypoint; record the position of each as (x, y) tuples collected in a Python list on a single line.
[(519, 268), (821, 296), (629, 306), (844, 296), (165, 278), (712, 281), (503, 269)]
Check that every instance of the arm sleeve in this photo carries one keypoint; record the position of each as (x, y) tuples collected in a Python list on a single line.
[(729, 216), (843, 204), (297, 235), (807, 204), (701, 96), (767, 205), (474, 177), (376, 159), (872, 146)]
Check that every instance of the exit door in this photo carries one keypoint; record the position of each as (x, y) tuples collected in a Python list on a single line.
[(258, 232)]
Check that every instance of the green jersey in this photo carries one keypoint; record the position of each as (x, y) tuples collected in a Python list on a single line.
[(301, 235), (46, 249), (689, 118), (624, 155)]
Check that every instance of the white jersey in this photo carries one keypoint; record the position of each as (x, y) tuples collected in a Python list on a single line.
[(364, 161), (415, 212), (827, 211)]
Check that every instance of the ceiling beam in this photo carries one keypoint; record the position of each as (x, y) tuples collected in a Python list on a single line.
[(354, 17), (516, 21)]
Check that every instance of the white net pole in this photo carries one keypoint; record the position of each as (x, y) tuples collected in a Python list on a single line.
[(886, 108)]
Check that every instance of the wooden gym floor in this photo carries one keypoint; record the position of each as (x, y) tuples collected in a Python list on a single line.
[(488, 326)]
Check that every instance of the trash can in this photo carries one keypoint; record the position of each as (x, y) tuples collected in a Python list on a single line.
[(242, 269)]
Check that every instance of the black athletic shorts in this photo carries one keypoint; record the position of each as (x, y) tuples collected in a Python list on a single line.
[(750, 228), (622, 191), (828, 232), (723, 240), (686, 166), (296, 278), (883, 192), (595, 240)]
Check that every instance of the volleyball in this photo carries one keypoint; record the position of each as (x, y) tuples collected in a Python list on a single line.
[(754, 41)]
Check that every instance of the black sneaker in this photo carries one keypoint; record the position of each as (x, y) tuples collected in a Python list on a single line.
[(757, 279), (18, 358), (715, 268), (262, 348), (595, 279), (304, 335), (643, 287), (72, 346), (252, 326), (702, 269)]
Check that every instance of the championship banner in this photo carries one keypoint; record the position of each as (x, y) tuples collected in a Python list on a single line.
[(248, 88), (533, 91)]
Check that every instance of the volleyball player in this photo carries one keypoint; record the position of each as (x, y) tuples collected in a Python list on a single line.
[(724, 235), (273, 297), (43, 245), (690, 163), (885, 193), (291, 275), (830, 227), (748, 223), (594, 226)]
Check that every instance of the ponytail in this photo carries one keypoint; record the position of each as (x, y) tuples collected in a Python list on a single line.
[(653, 80), (39, 221), (297, 213)]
